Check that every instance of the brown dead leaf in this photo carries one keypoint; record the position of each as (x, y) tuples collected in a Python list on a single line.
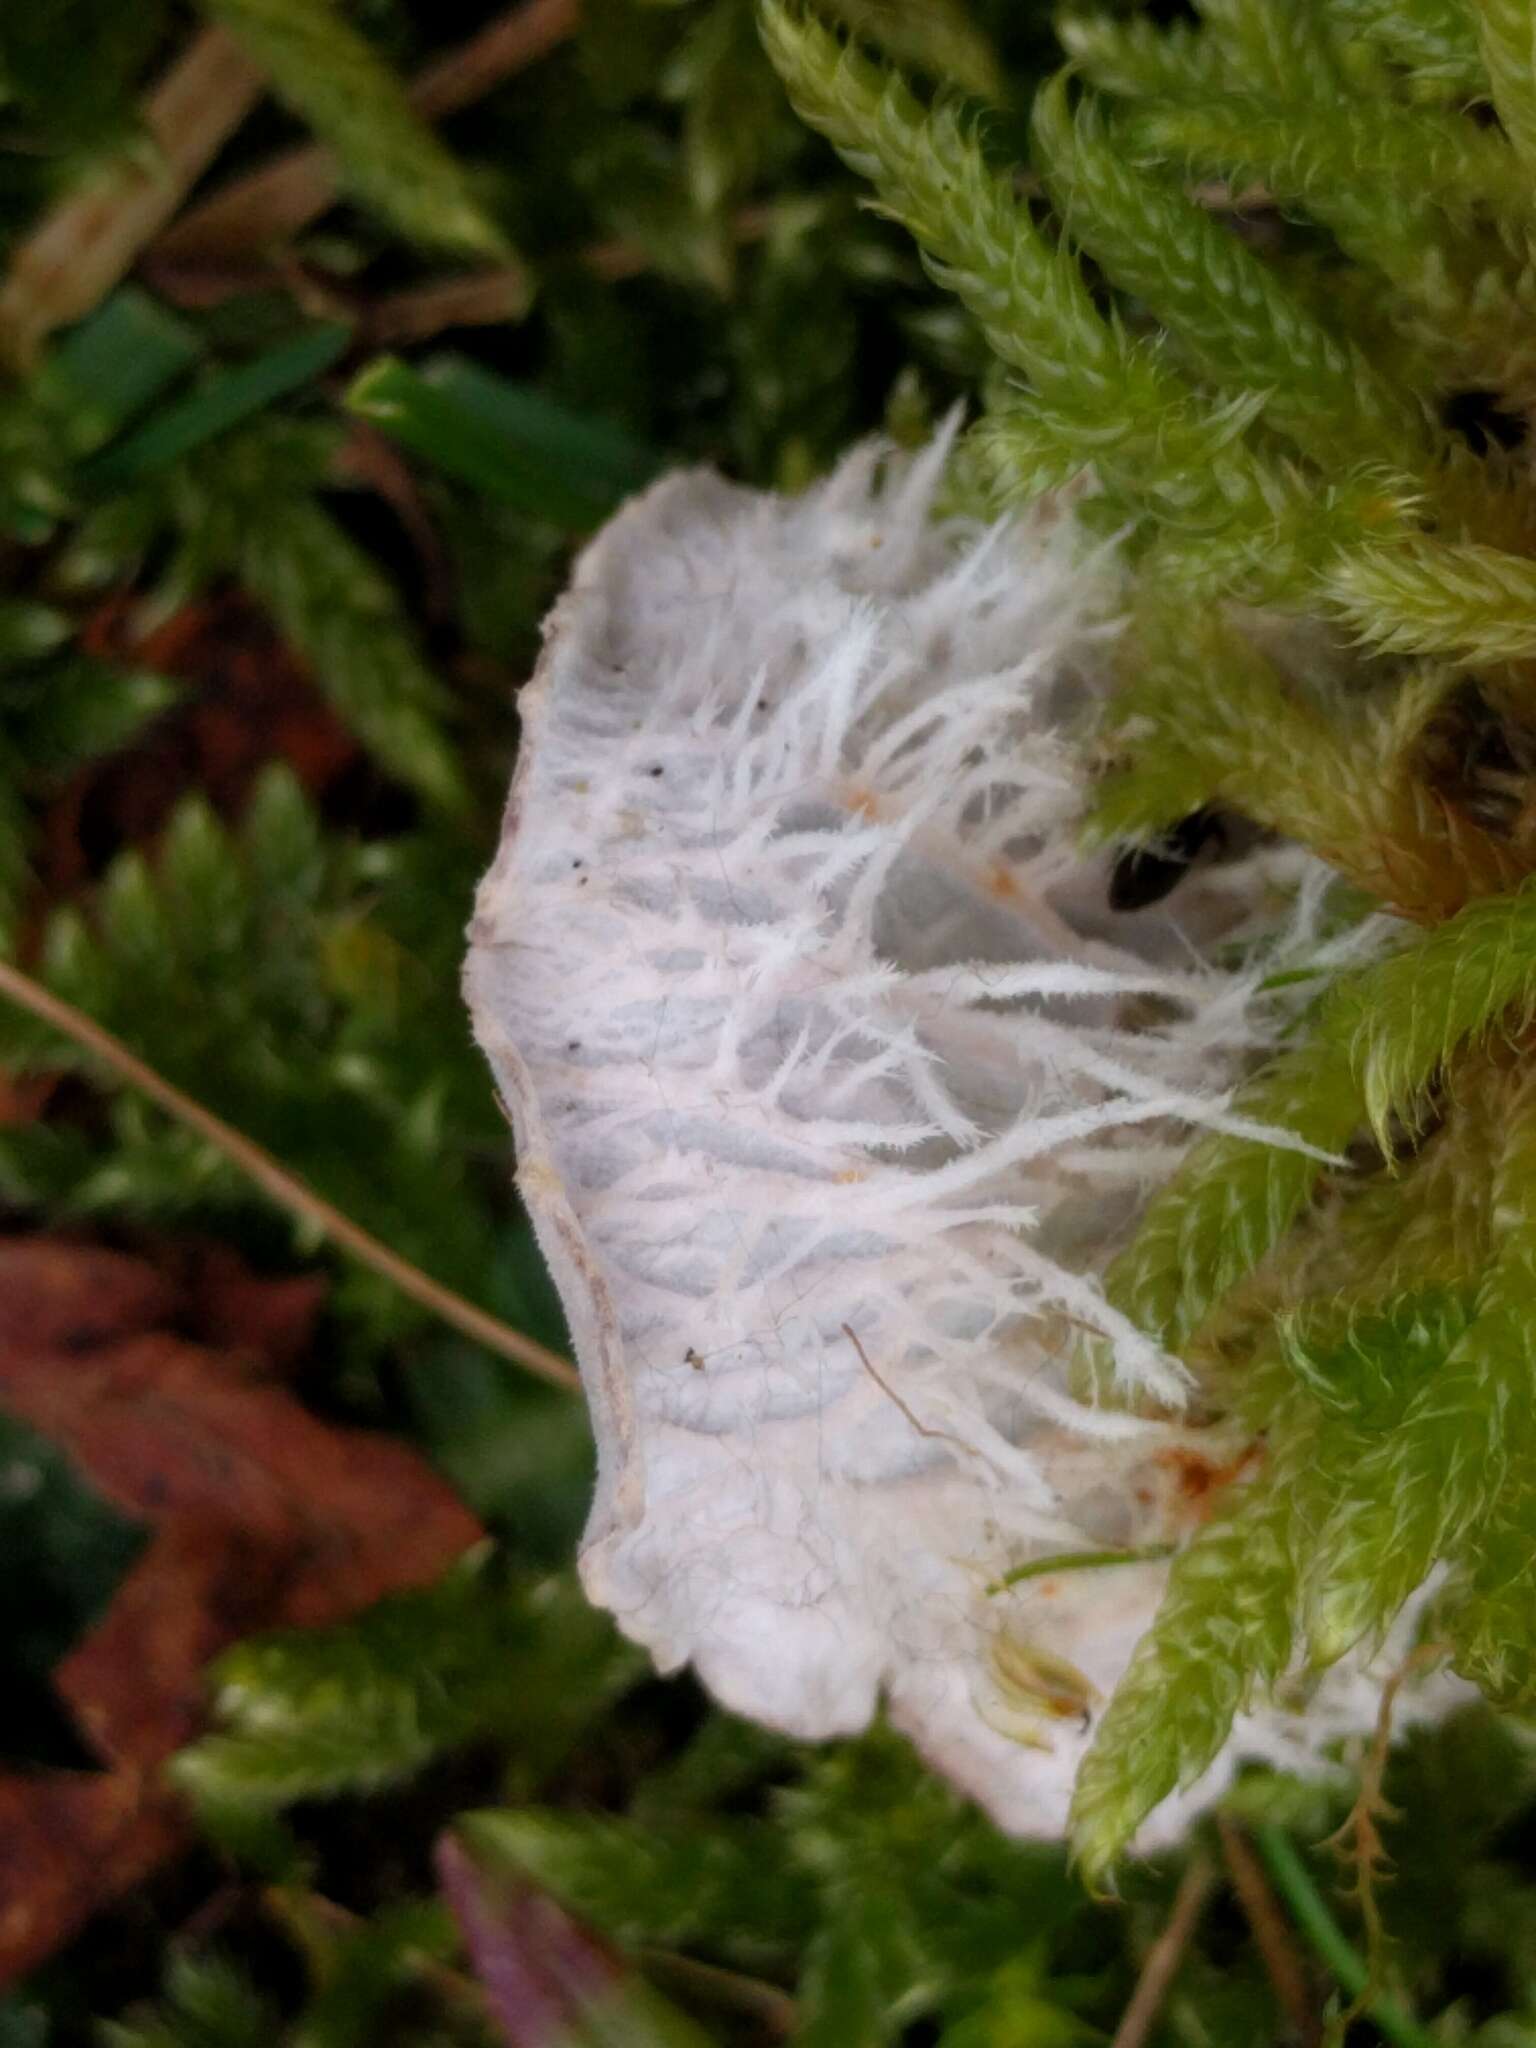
[(263, 1517), (24, 1098), (249, 701)]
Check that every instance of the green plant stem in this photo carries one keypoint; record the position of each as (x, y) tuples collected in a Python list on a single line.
[(1327, 1938), (1078, 1561)]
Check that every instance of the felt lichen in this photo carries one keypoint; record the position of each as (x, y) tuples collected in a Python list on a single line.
[(1053, 1191), (836, 1081)]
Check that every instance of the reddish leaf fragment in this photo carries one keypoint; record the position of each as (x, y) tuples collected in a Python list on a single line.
[(56, 1295), (233, 1308), (539, 1968), (23, 1099), (549, 1982), (266, 1320), (263, 1517)]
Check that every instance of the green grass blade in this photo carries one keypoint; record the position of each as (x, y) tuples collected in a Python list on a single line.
[(113, 365), (505, 439), (223, 402)]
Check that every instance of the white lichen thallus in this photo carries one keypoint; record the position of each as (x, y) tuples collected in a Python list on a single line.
[(813, 1020)]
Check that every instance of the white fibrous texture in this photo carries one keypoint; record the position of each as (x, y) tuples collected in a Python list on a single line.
[(834, 1082)]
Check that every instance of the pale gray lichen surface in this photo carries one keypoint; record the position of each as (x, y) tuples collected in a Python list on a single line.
[(811, 1018)]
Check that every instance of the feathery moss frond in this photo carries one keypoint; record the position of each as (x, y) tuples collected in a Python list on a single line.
[(1232, 311), (1365, 1366), (1407, 193), (1184, 730), (305, 1715), (1223, 1630), (1031, 299), (1489, 1629), (1220, 517), (1435, 40), (1405, 1246), (937, 36), (1137, 58), (1380, 1038), (1487, 1616), (1386, 1281), (1418, 1494), (1205, 716), (1456, 599), (292, 980), (1384, 158), (206, 2002), (1233, 1198), (1186, 458), (333, 603), (1402, 1020), (1014, 454), (1287, 50), (1509, 57), (1263, 532), (725, 1887)]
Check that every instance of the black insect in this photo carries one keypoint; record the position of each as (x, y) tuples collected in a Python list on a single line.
[(1481, 421), (1478, 761), (1144, 875)]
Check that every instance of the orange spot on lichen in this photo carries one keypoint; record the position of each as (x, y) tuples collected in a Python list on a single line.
[(1199, 1482)]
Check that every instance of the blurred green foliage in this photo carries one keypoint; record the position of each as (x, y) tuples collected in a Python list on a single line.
[(331, 424), (67, 1550)]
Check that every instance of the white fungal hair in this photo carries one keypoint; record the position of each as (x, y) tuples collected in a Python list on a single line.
[(835, 1082)]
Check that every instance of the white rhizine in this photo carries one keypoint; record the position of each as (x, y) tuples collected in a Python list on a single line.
[(812, 1018)]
